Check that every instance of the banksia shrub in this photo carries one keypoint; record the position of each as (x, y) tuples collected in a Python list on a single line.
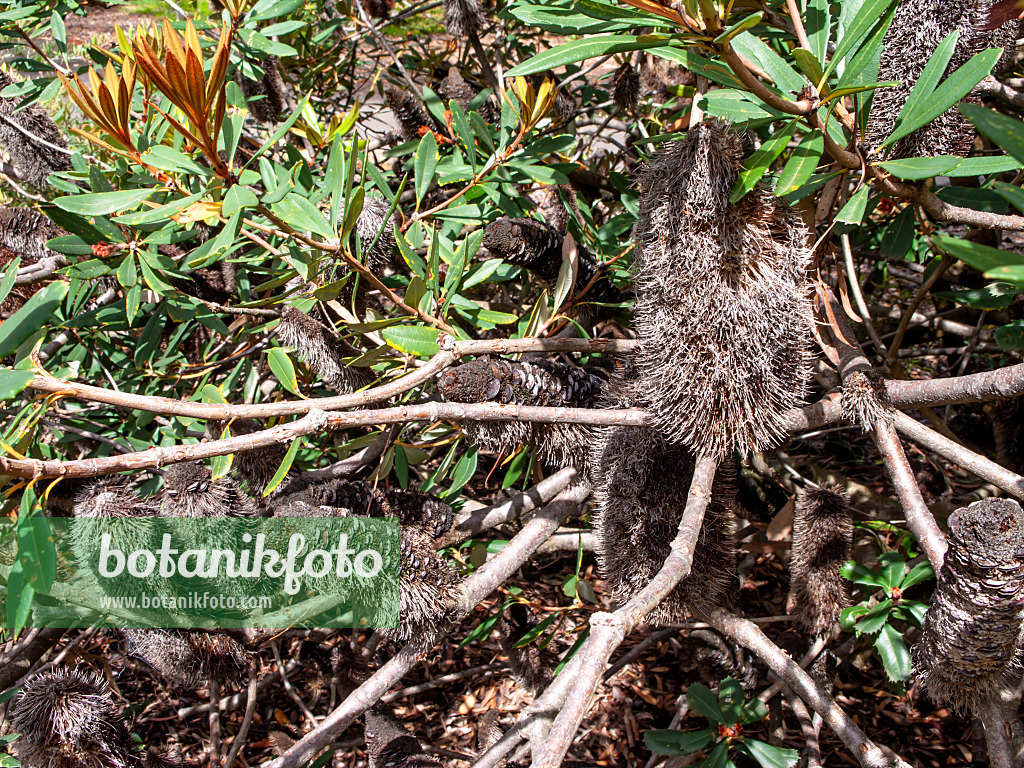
[(822, 542), (537, 247), (641, 483), (970, 641), (526, 382), (266, 97), (67, 719), (33, 159), (188, 659), (321, 349), (390, 745), (191, 491), (916, 31), (254, 468), (723, 306)]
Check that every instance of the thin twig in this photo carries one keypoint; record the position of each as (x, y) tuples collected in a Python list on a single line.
[(250, 708)]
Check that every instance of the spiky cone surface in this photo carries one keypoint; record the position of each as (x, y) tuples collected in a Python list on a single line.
[(428, 586), (191, 491), (67, 719), (970, 640), (390, 745), (253, 468), (33, 160), (462, 17), (822, 542), (916, 31), (453, 87), (111, 507), (526, 382), (531, 666), (409, 113), (1008, 424), (719, 657), (626, 88), (866, 400), (379, 9), (23, 233), (270, 87), (641, 483), (537, 247), (321, 349), (723, 301), (373, 218), (188, 659)]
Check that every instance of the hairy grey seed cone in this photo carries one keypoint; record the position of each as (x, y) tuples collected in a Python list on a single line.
[(531, 666), (916, 31), (719, 657), (409, 113), (866, 400), (822, 542), (379, 9), (462, 17), (191, 491), (390, 745), (373, 218), (321, 349), (970, 641), (641, 484), (33, 160), (526, 382), (188, 659), (537, 247), (723, 301), (270, 87), (255, 469), (626, 88), (67, 719), (24, 232), (1008, 425)]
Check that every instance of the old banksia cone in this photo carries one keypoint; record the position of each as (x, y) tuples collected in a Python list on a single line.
[(723, 309), (191, 491), (188, 659), (526, 382), (67, 719), (822, 540), (322, 350), (970, 641), (254, 468), (33, 159), (373, 219), (390, 745), (916, 31), (641, 483), (266, 96)]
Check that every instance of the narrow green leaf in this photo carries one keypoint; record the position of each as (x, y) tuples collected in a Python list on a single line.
[(60, 35), (930, 77), (37, 312), (759, 162), (12, 382), (915, 168), (160, 213), (983, 166), (412, 339), (839, 93), (853, 211), (169, 159), (303, 216), (425, 164), (236, 198), (801, 163), (10, 275), (754, 49), (1005, 131), (981, 257), (1013, 273), (818, 25), (808, 65), (740, 26), (103, 203), (286, 465), (589, 48), (283, 368), (868, 15)]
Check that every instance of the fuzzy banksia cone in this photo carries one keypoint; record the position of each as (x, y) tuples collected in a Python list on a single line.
[(379, 9), (462, 17), (626, 90), (373, 218), (970, 641), (916, 31), (321, 349), (33, 159), (412, 119), (526, 382), (188, 659), (67, 719), (822, 542), (255, 468), (531, 666), (723, 305), (265, 97), (537, 246), (641, 484), (191, 491), (390, 745)]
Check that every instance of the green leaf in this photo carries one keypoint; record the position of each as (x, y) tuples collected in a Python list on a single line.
[(12, 382), (922, 167), (754, 711), (849, 617), (160, 213), (853, 211), (736, 107), (719, 757), (929, 79), (236, 198), (10, 275), (463, 473), (858, 574), (875, 619), (983, 166), (1011, 274), (60, 35), (705, 704), (538, 630), (282, 129), (994, 296), (303, 216), (1007, 132), (894, 654), (1011, 336), (867, 17), (1013, 195), (754, 49), (838, 93), (425, 164), (169, 159), (740, 26), (417, 340), (283, 368), (588, 48), (892, 573), (103, 203), (666, 742), (954, 88), (731, 697), (759, 162), (282, 471), (37, 312), (818, 25), (801, 163), (808, 65), (768, 756), (981, 257)]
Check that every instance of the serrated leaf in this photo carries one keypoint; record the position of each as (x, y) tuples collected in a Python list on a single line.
[(412, 339), (994, 296), (36, 313), (895, 655), (768, 756), (875, 618), (704, 703), (283, 368), (731, 698), (666, 742), (1011, 336)]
